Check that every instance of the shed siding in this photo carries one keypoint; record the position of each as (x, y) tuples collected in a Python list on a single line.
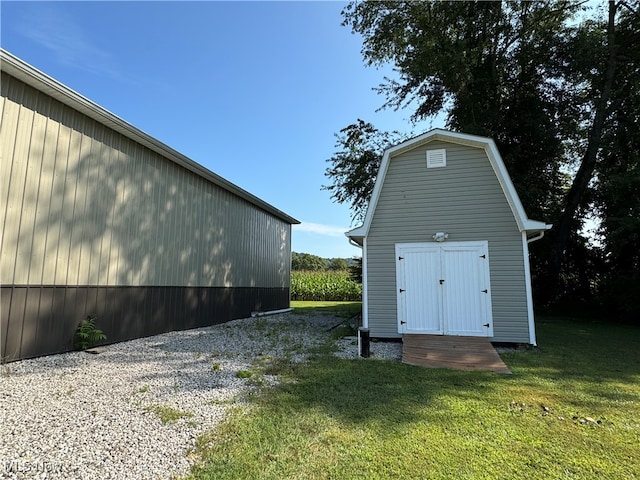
[(464, 199), (95, 222)]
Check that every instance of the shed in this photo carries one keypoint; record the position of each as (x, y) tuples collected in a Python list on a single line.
[(100, 218), (445, 243)]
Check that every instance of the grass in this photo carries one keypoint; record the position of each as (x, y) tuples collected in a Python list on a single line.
[(168, 414), (339, 309), (571, 410)]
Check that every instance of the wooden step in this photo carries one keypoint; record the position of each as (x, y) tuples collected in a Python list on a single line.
[(444, 351)]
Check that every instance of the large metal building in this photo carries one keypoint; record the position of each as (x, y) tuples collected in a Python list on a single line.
[(100, 218)]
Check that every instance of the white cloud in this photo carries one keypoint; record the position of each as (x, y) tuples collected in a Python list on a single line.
[(321, 229)]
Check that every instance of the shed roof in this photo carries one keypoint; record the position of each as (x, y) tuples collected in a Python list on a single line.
[(487, 144), (33, 77)]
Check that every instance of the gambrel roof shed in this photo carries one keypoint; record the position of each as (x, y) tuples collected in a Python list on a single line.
[(445, 243)]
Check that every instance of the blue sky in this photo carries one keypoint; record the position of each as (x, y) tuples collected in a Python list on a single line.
[(254, 91)]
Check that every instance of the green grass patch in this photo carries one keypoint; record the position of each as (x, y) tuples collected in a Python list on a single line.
[(275, 366), (571, 409), (168, 414), (339, 309)]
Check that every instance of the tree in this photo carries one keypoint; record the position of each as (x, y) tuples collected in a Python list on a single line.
[(338, 264), (355, 270), (525, 74), (617, 190), (355, 165), (587, 166), (307, 261)]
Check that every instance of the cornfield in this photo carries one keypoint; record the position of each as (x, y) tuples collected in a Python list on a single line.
[(324, 286)]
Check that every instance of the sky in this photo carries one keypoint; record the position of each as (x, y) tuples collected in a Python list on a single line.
[(253, 91)]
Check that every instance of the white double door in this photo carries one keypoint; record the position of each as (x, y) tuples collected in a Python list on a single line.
[(444, 288)]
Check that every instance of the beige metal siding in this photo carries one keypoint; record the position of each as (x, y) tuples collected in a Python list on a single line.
[(83, 205), (464, 199)]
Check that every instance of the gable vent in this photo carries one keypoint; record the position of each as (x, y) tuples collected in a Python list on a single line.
[(436, 158)]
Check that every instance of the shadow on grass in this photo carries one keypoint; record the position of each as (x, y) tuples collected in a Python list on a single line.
[(386, 393), (341, 416), (590, 350), (592, 363)]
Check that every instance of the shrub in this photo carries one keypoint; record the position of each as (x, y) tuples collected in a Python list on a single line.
[(87, 335)]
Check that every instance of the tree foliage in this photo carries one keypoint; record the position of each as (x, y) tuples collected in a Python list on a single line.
[(313, 263), (551, 83), (616, 193), (355, 165), (307, 261), (355, 270), (339, 264)]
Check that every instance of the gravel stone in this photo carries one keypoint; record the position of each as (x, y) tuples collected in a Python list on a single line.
[(91, 416)]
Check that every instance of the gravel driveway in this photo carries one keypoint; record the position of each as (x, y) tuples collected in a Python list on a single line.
[(83, 416)]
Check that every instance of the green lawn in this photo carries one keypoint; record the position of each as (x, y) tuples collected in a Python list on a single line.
[(341, 309), (571, 409)]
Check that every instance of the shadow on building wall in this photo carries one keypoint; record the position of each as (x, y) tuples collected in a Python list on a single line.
[(98, 224)]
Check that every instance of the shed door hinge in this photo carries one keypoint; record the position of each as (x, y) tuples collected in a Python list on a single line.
[(486, 325), (402, 290), (485, 291), (400, 258), (483, 256), (402, 322)]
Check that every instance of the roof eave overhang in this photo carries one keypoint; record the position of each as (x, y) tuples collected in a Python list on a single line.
[(535, 230), (356, 236), (534, 226), (33, 77)]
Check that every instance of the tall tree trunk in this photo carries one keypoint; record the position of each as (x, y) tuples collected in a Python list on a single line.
[(588, 164)]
